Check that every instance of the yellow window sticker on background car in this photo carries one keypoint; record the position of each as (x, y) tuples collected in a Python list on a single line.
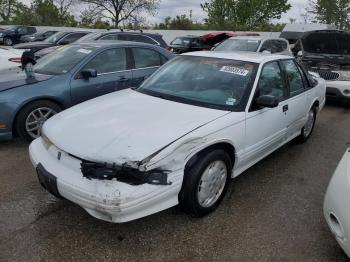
[(235, 70)]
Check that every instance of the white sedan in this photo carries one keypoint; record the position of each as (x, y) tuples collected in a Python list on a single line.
[(10, 57), (200, 120), (336, 204)]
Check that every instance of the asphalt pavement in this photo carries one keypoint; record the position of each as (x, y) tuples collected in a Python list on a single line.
[(272, 212)]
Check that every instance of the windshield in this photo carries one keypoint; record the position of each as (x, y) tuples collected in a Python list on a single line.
[(250, 45), (203, 81), (327, 43), (89, 37), (62, 60), (55, 37), (181, 41)]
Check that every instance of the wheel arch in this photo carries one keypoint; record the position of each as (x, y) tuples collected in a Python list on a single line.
[(51, 99)]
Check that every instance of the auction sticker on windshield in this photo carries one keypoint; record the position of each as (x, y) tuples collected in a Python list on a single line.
[(234, 70)]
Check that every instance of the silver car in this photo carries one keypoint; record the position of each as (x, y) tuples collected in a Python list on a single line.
[(258, 44)]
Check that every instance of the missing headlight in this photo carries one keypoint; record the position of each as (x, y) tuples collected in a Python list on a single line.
[(124, 173)]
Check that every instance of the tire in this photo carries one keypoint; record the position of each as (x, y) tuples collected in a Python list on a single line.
[(192, 192), (8, 41), (30, 114), (307, 130)]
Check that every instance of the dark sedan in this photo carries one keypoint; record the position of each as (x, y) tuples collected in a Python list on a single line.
[(71, 75), (58, 39), (40, 36)]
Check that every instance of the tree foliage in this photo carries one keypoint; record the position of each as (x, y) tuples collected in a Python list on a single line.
[(233, 14), (8, 9), (335, 12), (124, 11)]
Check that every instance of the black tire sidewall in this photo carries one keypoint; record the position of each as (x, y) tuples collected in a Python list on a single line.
[(189, 200), (302, 137), (25, 111), (5, 41)]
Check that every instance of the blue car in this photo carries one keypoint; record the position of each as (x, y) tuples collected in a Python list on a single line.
[(71, 75)]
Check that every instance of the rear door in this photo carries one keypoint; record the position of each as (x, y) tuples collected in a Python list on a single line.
[(145, 62), (297, 101), (113, 74), (266, 127)]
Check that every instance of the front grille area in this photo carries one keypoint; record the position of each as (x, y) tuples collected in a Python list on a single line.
[(326, 75)]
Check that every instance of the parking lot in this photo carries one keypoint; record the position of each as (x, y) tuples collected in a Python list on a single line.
[(273, 212)]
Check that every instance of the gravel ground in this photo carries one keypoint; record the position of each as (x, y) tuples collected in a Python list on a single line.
[(272, 212)]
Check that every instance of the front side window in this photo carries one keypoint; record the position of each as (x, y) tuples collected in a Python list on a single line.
[(203, 81), (238, 45), (271, 81), (266, 46), (146, 57), (62, 60), (22, 30), (72, 37), (109, 61), (296, 84), (109, 37), (278, 46), (55, 37), (181, 41)]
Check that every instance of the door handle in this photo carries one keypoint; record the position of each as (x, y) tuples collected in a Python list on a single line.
[(285, 108), (122, 79)]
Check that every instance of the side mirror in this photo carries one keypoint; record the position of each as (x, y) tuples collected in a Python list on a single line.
[(300, 54), (88, 73), (267, 101)]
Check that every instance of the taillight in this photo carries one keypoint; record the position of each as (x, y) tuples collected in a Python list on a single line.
[(168, 48), (15, 59)]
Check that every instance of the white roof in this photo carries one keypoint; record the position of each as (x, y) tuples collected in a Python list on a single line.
[(241, 56), (306, 27)]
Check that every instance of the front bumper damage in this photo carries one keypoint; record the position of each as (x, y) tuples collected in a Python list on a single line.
[(109, 192)]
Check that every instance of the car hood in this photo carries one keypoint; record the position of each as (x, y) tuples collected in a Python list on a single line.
[(35, 44), (124, 126), (15, 77)]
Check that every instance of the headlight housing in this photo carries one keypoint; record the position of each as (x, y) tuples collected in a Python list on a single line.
[(343, 75)]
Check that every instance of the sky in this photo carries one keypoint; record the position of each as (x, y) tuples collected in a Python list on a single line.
[(176, 7)]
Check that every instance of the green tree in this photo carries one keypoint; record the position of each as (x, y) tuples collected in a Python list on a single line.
[(335, 12), (8, 9), (242, 14)]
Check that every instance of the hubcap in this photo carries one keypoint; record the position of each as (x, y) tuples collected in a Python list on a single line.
[(36, 120), (212, 183), (8, 41), (309, 124)]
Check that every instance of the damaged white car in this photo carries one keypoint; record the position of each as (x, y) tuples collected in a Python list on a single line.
[(200, 120)]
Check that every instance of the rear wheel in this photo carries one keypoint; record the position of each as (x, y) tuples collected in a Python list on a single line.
[(33, 116), (308, 128), (8, 41), (205, 183)]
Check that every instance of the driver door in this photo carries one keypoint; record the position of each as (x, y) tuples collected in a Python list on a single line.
[(112, 75), (266, 128)]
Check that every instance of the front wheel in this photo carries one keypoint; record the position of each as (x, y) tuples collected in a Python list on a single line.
[(8, 41), (308, 128), (33, 116), (205, 183)]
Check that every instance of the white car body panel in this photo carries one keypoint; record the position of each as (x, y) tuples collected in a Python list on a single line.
[(6, 54), (336, 203), (145, 132)]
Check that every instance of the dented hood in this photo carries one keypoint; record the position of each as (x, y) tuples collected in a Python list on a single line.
[(124, 126)]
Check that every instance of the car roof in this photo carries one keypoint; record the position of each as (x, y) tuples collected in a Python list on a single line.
[(258, 38), (240, 56), (106, 43)]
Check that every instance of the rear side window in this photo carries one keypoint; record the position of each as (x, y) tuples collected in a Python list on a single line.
[(147, 58), (109, 61), (109, 37), (73, 37), (22, 30), (31, 30), (136, 38), (294, 78)]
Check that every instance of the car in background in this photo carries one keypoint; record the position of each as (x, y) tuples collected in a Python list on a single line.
[(188, 43), (327, 53), (133, 36), (336, 203), (258, 44), (39, 36), (179, 137), (57, 39), (9, 57), (13, 34), (69, 76)]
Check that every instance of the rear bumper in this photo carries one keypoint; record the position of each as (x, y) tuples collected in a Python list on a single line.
[(109, 200), (5, 135)]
